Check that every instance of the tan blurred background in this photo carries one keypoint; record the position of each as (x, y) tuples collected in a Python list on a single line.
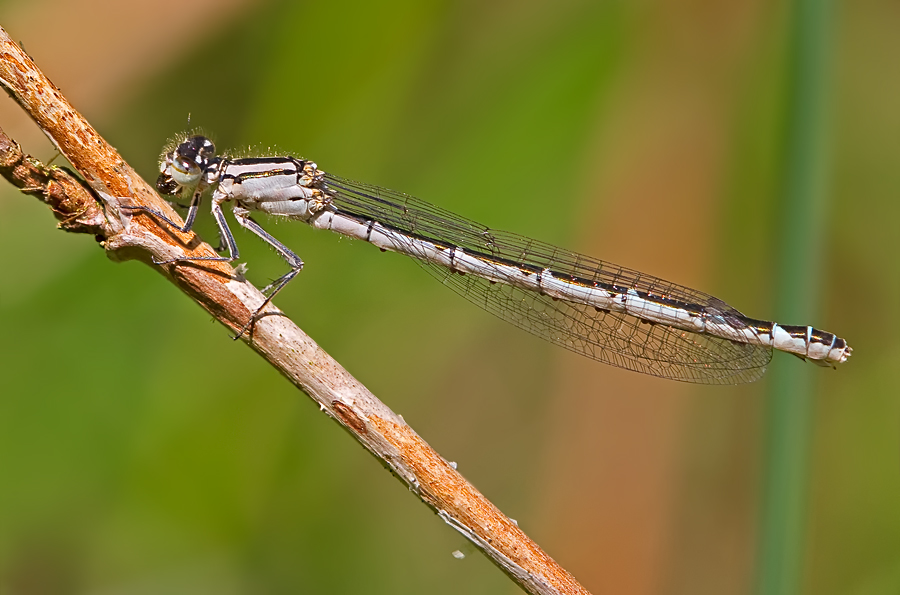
[(142, 451)]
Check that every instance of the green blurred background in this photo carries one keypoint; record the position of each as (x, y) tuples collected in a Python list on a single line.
[(142, 451)]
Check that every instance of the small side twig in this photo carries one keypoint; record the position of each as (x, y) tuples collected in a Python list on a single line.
[(72, 204), (232, 300)]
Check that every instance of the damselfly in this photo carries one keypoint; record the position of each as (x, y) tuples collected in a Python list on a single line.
[(606, 312)]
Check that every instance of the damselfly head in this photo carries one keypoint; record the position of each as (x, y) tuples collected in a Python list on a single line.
[(185, 165)]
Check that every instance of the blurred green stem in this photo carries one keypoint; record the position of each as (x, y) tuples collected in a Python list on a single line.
[(801, 219)]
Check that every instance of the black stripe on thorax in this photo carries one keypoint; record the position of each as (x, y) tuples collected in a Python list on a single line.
[(262, 167)]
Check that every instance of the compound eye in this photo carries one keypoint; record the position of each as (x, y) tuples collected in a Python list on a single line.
[(197, 148), (185, 165), (178, 170), (207, 149), (184, 171)]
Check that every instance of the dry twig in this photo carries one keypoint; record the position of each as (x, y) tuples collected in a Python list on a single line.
[(232, 300)]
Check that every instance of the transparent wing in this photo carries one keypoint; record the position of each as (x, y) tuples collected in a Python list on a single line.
[(614, 338), (420, 219)]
